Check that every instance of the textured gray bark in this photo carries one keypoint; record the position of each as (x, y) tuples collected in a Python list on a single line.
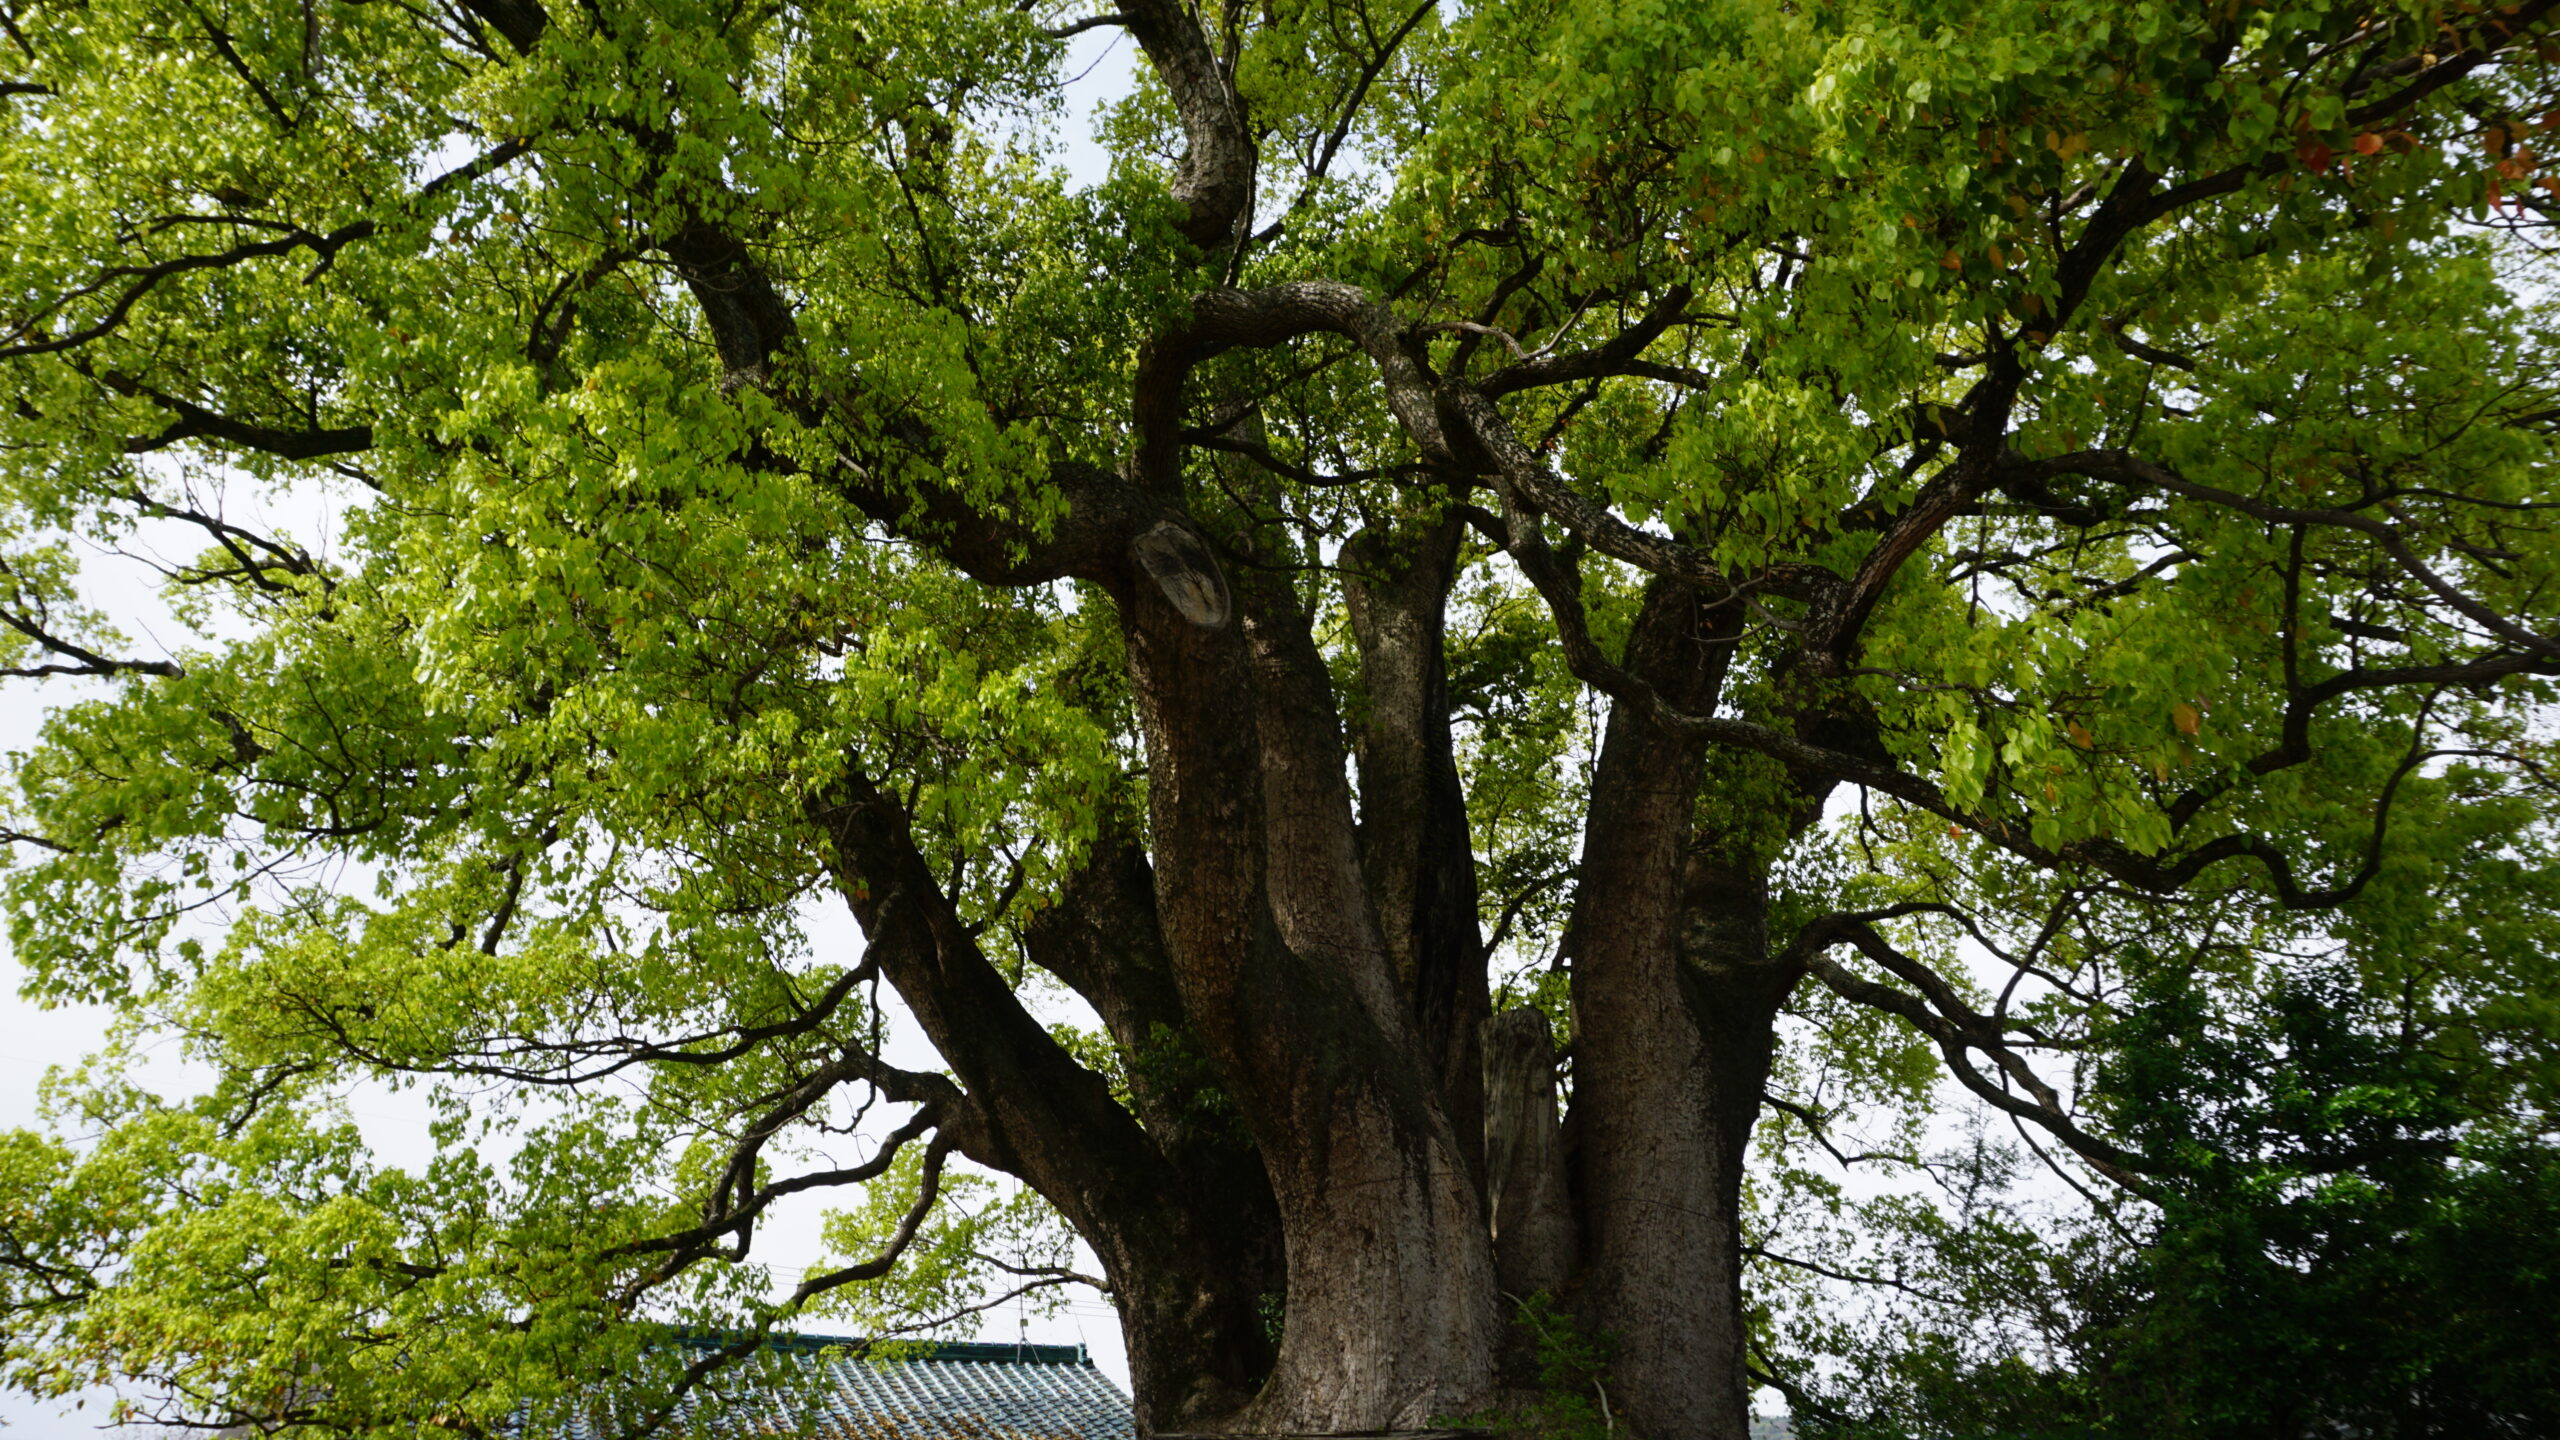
[(1283, 978), (1297, 948), (1532, 1222), (1414, 846), (1655, 1152)]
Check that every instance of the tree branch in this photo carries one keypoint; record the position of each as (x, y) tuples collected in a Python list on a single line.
[(195, 422), (1954, 1038), (36, 625), (1090, 22), (1214, 183), (1609, 358), (2124, 468)]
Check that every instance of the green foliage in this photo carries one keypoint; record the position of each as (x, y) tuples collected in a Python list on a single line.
[(519, 795), (1570, 1400), (1573, 1373), (2356, 1234), (2370, 1246), (976, 1252)]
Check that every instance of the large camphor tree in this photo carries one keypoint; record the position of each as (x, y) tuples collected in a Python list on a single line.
[(1524, 587)]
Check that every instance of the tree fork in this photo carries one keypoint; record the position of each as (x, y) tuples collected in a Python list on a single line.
[(1391, 1317), (1177, 1243)]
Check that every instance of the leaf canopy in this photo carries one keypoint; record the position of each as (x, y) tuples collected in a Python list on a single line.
[(2120, 437)]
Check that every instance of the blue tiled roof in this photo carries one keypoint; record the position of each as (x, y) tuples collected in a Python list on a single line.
[(807, 1387)]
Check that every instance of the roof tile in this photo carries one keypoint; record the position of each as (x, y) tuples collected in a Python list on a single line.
[(823, 1388)]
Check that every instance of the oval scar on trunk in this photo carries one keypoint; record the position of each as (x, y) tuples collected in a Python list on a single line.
[(1185, 571)]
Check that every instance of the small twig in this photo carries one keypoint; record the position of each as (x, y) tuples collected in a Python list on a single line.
[(1509, 341), (1090, 22)]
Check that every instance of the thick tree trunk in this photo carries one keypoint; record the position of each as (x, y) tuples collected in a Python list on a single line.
[(1665, 1091), (1330, 976), (1390, 1315), (1198, 1349), (1390, 1309), (1181, 1229), (1534, 1244), (1732, 988), (1414, 848)]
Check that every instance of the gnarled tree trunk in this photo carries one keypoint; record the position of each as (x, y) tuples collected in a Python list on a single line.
[(1408, 1239), (1320, 955)]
